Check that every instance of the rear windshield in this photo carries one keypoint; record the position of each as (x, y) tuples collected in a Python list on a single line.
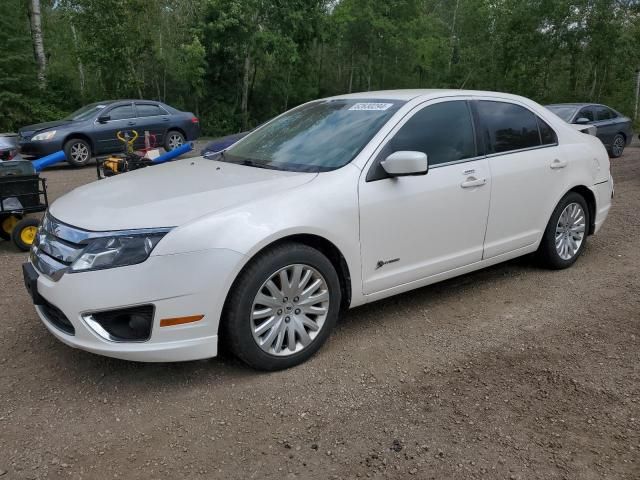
[(316, 137)]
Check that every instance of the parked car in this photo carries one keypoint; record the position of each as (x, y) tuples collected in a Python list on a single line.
[(219, 144), (91, 130), (8, 146), (613, 128), (334, 204)]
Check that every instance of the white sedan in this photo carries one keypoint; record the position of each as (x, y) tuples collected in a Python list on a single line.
[(336, 203)]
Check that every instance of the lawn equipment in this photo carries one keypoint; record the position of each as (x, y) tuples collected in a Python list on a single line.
[(134, 160), (22, 191), (131, 160)]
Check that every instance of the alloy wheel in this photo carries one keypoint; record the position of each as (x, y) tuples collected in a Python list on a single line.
[(175, 141), (618, 146), (289, 310), (570, 231), (79, 153)]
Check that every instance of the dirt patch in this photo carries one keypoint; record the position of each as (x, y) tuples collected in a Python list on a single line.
[(510, 372)]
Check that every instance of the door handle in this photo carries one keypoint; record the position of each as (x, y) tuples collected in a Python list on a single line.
[(165, 119), (557, 164), (473, 182), (131, 124)]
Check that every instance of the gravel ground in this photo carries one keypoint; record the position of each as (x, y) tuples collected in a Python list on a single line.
[(512, 372)]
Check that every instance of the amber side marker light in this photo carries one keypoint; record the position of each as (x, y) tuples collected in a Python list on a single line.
[(170, 322)]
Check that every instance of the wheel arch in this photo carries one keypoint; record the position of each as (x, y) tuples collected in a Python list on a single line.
[(324, 246), (81, 136), (177, 129), (590, 198)]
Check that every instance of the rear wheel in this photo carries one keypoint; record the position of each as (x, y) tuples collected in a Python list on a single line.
[(617, 146), (174, 140), (24, 233), (565, 237), (7, 224), (78, 152), (282, 307)]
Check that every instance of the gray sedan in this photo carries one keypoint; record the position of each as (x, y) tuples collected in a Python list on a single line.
[(614, 129)]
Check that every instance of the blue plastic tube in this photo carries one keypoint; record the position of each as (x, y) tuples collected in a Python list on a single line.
[(181, 150), (49, 160)]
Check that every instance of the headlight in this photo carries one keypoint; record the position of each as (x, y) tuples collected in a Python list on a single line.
[(44, 136), (117, 251)]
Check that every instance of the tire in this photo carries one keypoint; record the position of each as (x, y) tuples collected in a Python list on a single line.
[(7, 224), (24, 233), (78, 152), (239, 326), (574, 225), (173, 140), (617, 146)]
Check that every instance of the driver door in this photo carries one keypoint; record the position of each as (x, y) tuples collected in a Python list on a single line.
[(415, 227)]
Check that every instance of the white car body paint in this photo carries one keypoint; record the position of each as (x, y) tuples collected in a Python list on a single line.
[(224, 214)]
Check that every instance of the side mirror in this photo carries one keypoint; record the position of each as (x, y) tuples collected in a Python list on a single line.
[(582, 121), (104, 118), (405, 163)]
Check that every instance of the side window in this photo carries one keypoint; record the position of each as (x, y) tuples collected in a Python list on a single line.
[(586, 113), (603, 113), (443, 131), (122, 112), (148, 110), (547, 134), (507, 127)]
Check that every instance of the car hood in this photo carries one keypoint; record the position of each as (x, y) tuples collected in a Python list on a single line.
[(31, 129), (170, 195)]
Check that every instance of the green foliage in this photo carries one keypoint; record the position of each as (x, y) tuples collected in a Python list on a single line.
[(240, 62)]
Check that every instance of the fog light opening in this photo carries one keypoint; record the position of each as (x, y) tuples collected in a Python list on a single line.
[(124, 325)]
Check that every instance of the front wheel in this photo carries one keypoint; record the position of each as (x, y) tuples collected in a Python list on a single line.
[(617, 146), (282, 307), (78, 152), (566, 234)]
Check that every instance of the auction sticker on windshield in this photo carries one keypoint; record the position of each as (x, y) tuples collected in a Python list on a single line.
[(371, 106)]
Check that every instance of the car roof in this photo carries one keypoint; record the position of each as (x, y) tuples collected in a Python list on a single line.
[(576, 105), (424, 94)]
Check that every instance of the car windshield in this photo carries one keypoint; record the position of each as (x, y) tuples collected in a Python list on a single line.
[(85, 112), (316, 137), (565, 112)]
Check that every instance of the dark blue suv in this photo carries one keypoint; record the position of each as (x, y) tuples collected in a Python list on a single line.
[(92, 130)]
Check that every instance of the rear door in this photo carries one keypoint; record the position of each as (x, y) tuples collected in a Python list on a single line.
[(121, 118), (528, 174), (606, 123), (154, 119)]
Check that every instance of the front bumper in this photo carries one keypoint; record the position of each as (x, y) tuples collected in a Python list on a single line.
[(176, 285), (39, 149)]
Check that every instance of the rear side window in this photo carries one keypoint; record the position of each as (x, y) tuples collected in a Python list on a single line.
[(586, 113), (122, 112), (603, 113), (443, 131), (147, 110), (547, 134), (507, 127)]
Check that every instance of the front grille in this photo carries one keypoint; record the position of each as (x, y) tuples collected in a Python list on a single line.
[(58, 319), (56, 247)]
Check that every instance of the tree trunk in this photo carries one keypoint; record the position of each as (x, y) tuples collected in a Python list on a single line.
[(351, 73), (453, 35), (35, 19), (79, 60), (244, 102)]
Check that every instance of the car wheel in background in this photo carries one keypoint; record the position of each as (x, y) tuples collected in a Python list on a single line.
[(24, 233), (566, 234), (78, 152), (617, 146), (174, 139), (282, 307)]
